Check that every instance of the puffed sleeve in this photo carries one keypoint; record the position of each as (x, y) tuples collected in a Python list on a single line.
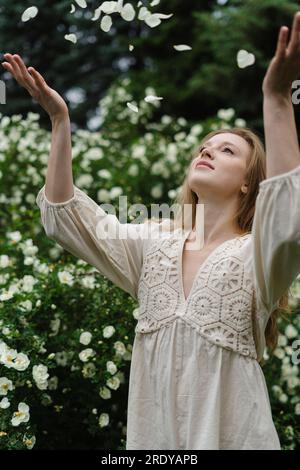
[(276, 239), (84, 229)]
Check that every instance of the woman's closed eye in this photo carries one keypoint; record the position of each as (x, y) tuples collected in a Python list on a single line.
[(225, 148)]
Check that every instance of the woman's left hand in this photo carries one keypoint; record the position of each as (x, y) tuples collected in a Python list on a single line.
[(284, 68)]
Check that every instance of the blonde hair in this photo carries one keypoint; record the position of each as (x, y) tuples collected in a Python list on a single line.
[(256, 172)]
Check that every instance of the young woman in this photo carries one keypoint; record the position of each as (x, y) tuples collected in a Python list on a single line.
[(205, 315)]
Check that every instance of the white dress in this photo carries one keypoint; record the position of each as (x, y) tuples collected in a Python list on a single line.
[(195, 380)]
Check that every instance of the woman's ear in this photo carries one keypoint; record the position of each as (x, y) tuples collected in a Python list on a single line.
[(244, 188)]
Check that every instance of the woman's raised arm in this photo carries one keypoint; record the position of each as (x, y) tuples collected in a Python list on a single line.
[(59, 177), (282, 147)]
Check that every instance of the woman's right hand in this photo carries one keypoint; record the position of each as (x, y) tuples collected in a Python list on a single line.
[(37, 87)]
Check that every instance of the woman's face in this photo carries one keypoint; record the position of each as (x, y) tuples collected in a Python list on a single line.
[(228, 154)]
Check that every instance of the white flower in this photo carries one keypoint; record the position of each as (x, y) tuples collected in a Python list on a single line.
[(31, 440), (291, 331), (157, 191), (226, 114), (6, 385), (297, 409), (4, 261), (40, 376), (111, 367), (26, 305), (120, 348), (104, 173), (279, 352), (86, 354), (28, 283), (4, 403), (133, 170), (113, 383), (103, 420), (15, 237), (8, 356), (21, 416), (66, 278), (21, 362), (116, 191), (136, 313), (196, 129), (240, 122), (108, 331), (6, 295), (85, 338), (53, 383), (61, 358), (105, 393), (283, 398)]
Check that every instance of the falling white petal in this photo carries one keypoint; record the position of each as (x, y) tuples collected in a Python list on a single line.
[(131, 47), (29, 13), (244, 59), (109, 7), (106, 23), (151, 98), (97, 14), (133, 107), (155, 3), (152, 20), (182, 47), (72, 8), (81, 3), (143, 13), (71, 37), (140, 4), (162, 16), (128, 12)]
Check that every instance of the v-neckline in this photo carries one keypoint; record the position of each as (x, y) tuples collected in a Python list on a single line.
[(184, 299)]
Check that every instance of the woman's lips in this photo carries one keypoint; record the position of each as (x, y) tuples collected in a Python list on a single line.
[(206, 165)]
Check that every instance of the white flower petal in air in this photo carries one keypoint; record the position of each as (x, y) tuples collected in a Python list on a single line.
[(81, 3), (97, 14), (128, 12), (153, 20), (72, 8), (109, 7), (151, 98), (182, 47), (71, 37), (29, 13), (144, 13), (162, 16), (244, 59), (155, 3), (131, 47), (133, 107), (139, 4), (106, 23)]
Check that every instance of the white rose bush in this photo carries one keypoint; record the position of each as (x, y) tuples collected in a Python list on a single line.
[(66, 332)]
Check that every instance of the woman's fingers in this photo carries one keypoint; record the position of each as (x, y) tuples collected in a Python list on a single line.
[(23, 69), (294, 43), (37, 77), (282, 42), (17, 68)]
